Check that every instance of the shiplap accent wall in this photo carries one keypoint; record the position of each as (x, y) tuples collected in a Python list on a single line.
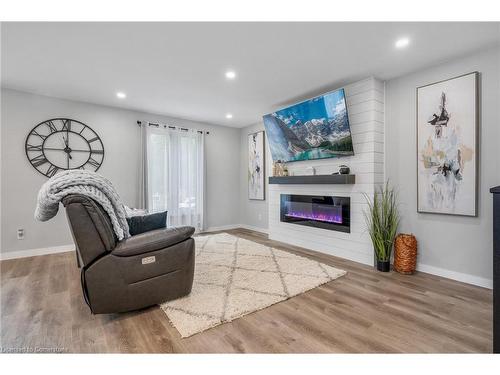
[(365, 103)]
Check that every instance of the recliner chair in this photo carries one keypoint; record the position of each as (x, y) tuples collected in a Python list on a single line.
[(140, 271)]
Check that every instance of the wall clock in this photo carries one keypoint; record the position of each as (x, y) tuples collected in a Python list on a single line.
[(62, 143)]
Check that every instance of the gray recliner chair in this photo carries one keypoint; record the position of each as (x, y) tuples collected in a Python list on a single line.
[(119, 276)]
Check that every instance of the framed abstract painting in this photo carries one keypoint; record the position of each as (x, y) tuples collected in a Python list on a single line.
[(256, 162), (448, 146)]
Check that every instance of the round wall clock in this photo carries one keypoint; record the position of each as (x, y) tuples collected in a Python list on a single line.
[(61, 144)]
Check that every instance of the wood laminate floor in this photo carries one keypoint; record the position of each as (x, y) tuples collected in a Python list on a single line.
[(365, 311)]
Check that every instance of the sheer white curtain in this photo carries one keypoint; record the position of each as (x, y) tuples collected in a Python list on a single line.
[(175, 174)]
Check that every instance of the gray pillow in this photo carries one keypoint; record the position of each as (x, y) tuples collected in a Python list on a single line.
[(146, 223)]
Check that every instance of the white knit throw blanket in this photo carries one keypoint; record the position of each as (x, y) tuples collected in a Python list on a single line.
[(87, 183)]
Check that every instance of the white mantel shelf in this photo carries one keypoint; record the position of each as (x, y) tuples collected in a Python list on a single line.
[(343, 179)]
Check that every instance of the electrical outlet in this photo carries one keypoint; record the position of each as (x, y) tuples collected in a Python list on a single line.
[(260, 217), (20, 234)]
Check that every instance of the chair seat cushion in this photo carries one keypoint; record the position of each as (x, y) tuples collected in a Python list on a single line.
[(152, 241)]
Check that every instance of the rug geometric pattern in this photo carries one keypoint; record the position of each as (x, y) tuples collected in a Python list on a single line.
[(234, 277)]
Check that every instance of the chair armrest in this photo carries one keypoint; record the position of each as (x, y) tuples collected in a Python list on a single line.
[(152, 241)]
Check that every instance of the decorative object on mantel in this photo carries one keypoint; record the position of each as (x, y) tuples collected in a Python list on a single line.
[(405, 254), (256, 165), (285, 171), (279, 168), (343, 169), (382, 220), (275, 166), (447, 146)]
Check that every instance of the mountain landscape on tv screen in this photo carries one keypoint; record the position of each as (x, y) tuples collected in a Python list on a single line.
[(314, 129)]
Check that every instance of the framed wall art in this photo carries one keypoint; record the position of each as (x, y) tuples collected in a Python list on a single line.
[(256, 183), (447, 146)]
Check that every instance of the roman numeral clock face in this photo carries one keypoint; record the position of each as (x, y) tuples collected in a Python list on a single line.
[(61, 144)]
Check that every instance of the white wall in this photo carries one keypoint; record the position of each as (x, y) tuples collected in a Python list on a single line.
[(120, 134), (459, 247), (365, 102)]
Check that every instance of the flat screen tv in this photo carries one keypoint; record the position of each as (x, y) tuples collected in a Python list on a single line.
[(315, 129)]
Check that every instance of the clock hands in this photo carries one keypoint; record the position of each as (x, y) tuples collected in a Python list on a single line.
[(63, 149), (67, 142), (68, 155), (67, 136), (67, 150)]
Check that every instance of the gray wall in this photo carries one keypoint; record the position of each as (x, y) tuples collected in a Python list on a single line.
[(120, 135), (457, 244), (253, 213)]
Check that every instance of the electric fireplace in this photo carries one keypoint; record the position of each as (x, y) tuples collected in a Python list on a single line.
[(327, 212)]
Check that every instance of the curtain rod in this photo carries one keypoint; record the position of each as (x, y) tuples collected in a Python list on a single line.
[(139, 123)]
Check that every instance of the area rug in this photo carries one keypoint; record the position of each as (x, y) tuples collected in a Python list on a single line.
[(234, 277)]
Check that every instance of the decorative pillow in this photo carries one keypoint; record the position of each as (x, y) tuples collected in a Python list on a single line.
[(145, 223)]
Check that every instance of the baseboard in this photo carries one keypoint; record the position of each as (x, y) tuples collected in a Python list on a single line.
[(360, 258), (235, 226), (222, 227), (36, 252), (256, 229), (458, 276)]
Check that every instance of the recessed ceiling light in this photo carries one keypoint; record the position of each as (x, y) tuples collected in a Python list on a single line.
[(230, 74), (402, 42), (121, 95), (229, 116)]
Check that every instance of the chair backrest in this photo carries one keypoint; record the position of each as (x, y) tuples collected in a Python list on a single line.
[(90, 226)]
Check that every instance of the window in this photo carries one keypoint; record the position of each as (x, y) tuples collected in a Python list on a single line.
[(175, 175)]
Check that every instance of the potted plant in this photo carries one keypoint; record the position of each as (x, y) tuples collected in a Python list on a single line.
[(382, 219)]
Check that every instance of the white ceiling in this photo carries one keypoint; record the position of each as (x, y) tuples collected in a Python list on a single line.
[(177, 69)]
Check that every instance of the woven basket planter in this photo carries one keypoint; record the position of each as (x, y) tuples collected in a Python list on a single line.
[(405, 254)]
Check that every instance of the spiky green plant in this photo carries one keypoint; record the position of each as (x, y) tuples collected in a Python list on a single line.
[(382, 220)]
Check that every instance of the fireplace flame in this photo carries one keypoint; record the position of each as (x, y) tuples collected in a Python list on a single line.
[(328, 218)]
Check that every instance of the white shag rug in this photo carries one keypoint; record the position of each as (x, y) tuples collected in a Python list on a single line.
[(234, 277)]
